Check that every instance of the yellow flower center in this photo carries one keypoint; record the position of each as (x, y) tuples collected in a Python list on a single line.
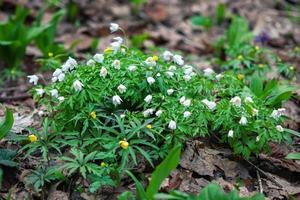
[(50, 54), (93, 115), (155, 58), (256, 48), (124, 144), (32, 138), (240, 76), (149, 126)]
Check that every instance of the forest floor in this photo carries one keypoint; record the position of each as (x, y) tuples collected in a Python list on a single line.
[(166, 24)]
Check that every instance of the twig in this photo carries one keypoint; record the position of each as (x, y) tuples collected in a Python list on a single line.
[(264, 173), (261, 189)]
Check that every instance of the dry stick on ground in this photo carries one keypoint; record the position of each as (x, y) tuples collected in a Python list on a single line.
[(264, 173), (261, 189)]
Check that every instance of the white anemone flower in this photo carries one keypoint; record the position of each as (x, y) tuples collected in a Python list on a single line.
[(187, 103), (148, 112), (236, 101), (243, 121), (132, 68), (77, 85), (172, 125), (90, 62), (279, 128), (178, 60), (103, 72), (122, 88), (113, 27), (116, 100), (116, 64), (230, 133), (208, 72), (33, 79), (150, 80), (158, 113), (98, 58), (170, 91), (248, 100), (61, 98), (148, 98), (187, 114), (54, 93), (40, 91), (210, 104), (167, 55)]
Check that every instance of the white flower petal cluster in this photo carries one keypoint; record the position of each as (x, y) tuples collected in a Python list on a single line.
[(148, 112), (122, 88), (77, 85), (236, 101), (54, 93), (132, 68), (116, 44), (103, 72), (148, 98), (178, 60), (170, 91), (278, 113), (230, 133), (167, 56), (114, 27), (279, 128), (116, 64), (99, 58), (33, 79), (150, 62), (40, 91), (158, 113), (208, 72), (210, 104), (90, 62), (219, 76), (172, 125), (150, 80), (116, 100), (243, 121), (187, 114), (59, 74), (248, 100)]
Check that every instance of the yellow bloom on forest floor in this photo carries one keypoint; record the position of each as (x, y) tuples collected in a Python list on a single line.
[(291, 68), (149, 126), (257, 48), (50, 54), (240, 57), (103, 164), (155, 58), (261, 66), (240, 76), (32, 138), (93, 115), (124, 144)]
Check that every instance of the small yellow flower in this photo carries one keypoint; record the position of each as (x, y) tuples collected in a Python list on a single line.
[(103, 164), (261, 66), (149, 126), (240, 57), (124, 144), (240, 76), (50, 54), (155, 58), (108, 50), (291, 68), (257, 48), (32, 138), (93, 115)]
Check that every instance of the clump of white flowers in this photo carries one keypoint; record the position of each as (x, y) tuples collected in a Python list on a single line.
[(172, 125), (278, 113), (113, 27), (236, 101), (208, 72), (210, 104), (33, 79), (116, 100), (150, 80), (77, 85)]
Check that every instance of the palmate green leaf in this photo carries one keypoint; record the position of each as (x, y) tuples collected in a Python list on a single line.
[(7, 124), (293, 156), (163, 170)]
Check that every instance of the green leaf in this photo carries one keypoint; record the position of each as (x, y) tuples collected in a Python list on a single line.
[(7, 124), (163, 170), (139, 187), (202, 21), (292, 132), (256, 85), (293, 156)]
